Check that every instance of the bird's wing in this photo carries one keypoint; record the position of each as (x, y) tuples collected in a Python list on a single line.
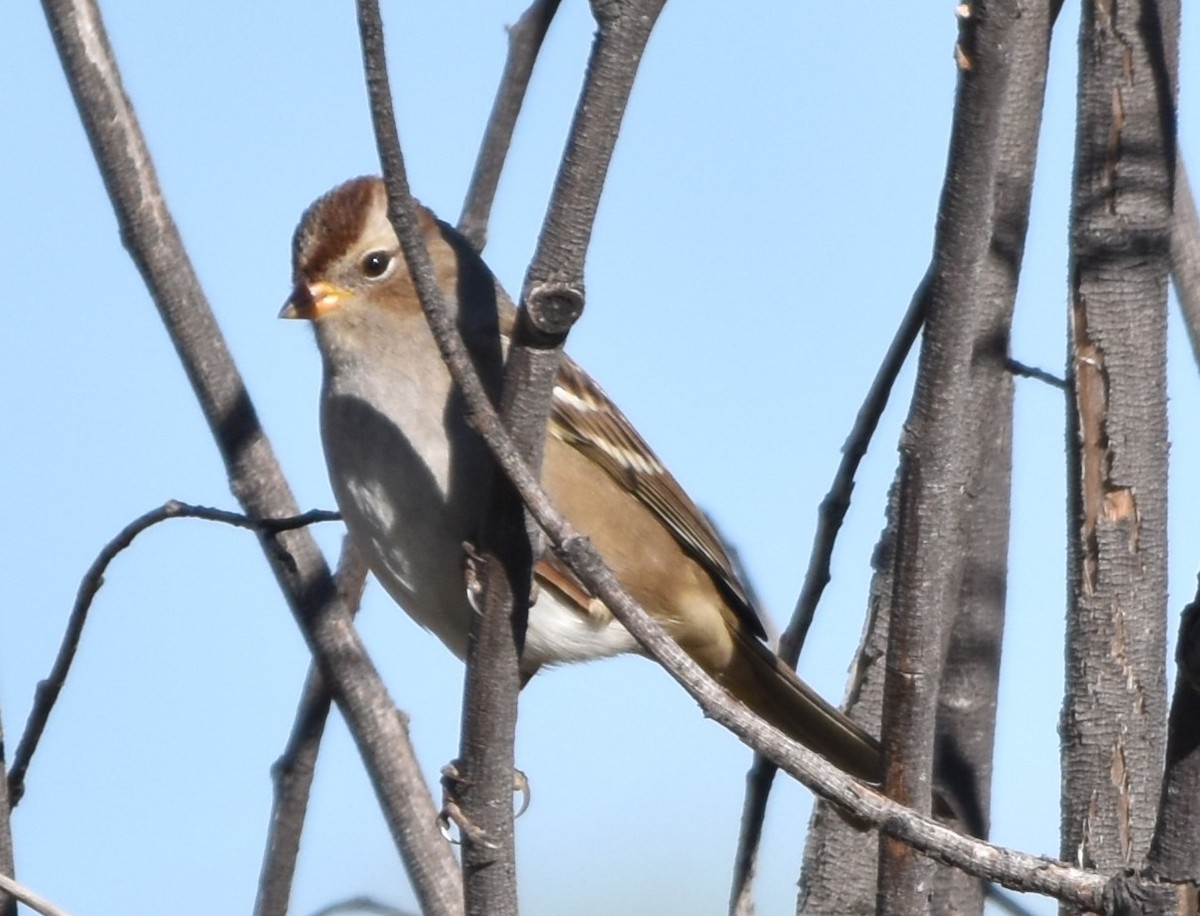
[(583, 417)]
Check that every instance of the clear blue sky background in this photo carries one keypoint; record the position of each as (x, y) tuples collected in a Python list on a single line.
[(768, 214)]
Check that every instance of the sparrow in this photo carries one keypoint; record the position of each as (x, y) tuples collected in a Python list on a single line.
[(411, 477)]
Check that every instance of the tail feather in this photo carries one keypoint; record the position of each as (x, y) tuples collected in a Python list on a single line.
[(770, 688)]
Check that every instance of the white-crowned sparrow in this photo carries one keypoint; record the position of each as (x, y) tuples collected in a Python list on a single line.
[(410, 477)]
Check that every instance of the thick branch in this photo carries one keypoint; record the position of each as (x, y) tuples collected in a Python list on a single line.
[(553, 292), (254, 473), (968, 694), (1112, 723), (1175, 847), (950, 427), (1185, 256)]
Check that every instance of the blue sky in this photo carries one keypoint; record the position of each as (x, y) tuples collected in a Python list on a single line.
[(768, 214)]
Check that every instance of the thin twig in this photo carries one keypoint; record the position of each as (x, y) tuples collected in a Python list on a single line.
[(1041, 375), (293, 771), (524, 42), (830, 516), (48, 690), (836, 503), (29, 898)]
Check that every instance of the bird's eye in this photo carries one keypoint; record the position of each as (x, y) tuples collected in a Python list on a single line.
[(376, 264)]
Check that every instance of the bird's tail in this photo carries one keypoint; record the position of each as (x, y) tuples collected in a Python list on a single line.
[(770, 688)]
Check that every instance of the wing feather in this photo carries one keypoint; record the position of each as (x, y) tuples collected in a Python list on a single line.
[(583, 417)]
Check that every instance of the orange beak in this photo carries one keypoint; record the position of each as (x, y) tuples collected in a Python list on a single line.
[(312, 300)]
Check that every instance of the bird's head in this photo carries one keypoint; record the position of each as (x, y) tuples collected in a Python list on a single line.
[(346, 258)]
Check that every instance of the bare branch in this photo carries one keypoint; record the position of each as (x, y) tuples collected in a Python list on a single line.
[(552, 296), (940, 448), (862, 804), (8, 903), (830, 516), (836, 503), (1185, 255), (293, 771), (254, 473), (1175, 848), (552, 302), (524, 42), (1122, 194), (1040, 375), (490, 703), (969, 691), (48, 690), (29, 898)]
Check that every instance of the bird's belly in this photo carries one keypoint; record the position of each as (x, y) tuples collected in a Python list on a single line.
[(422, 572), (559, 633), (410, 504), (425, 576)]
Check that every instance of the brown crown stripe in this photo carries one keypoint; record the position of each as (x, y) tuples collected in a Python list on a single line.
[(332, 224)]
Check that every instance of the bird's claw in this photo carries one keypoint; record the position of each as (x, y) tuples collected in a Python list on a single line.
[(452, 812), (521, 784), (472, 560)]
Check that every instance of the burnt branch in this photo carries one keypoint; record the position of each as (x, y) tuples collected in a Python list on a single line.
[(1185, 256), (1038, 375), (947, 599), (1121, 226), (1175, 847)]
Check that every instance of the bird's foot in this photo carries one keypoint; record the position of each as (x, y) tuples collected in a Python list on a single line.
[(472, 562), (452, 813)]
